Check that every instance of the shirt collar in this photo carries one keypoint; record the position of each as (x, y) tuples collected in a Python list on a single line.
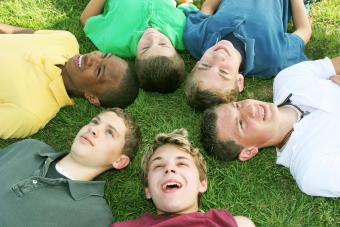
[(79, 189)]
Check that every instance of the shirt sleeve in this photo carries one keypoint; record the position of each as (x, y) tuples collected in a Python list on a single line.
[(294, 51), (322, 178), (322, 69), (187, 7), (16, 122), (195, 32)]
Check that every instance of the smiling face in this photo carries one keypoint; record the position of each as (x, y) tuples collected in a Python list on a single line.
[(94, 73), (218, 69), (250, 123), (153, 44), (100, 142), (173, 181)]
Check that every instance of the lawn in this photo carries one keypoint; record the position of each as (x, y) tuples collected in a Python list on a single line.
[(259, 188)]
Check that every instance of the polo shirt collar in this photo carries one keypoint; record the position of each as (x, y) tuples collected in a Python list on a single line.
[(79, 189)]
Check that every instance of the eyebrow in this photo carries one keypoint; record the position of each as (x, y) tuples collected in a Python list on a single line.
[(177, 158), (104, 68), (108, 125), (237, 131)]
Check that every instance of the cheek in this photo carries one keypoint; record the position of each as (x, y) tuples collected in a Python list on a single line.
[(257, 133)]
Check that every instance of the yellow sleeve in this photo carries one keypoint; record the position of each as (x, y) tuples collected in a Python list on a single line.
[(66, 38), (17, 123)]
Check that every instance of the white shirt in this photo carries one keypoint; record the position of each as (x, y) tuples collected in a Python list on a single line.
[(312, 152)]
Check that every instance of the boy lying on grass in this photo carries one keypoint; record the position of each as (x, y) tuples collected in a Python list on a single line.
[(175, 175)]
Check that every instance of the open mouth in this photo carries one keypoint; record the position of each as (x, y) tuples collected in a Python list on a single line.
[(262, 112), (170, 186), (78, 60)]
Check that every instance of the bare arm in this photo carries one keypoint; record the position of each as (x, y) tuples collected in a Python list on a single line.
[(300, 20), (9, 29), (93, 8), (336, 64), (244, 221), (209, 6)]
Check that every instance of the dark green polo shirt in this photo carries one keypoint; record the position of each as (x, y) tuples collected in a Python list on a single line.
[(29, 198)]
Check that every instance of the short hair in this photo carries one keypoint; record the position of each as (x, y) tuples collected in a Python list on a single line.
[(132, 135), (200, 99), (161, 74), (227, 150), (178, 137), (126, 92)]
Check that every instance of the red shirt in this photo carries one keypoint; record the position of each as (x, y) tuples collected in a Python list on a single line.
[(213, 218)]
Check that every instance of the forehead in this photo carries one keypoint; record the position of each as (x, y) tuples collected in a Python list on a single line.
[(111, 118), (209, 79), (226, 125), (158, 51), (169, 152), (115, 68)]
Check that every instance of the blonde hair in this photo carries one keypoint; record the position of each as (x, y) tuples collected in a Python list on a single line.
[(178, 137)]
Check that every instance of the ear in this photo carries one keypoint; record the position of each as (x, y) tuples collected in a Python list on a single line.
[(240, 82), (147, 193), (93, 99), (248, 153), (203, 186), (121, 162)]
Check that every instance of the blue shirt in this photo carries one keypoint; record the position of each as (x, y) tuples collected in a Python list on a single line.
[(261, 25)]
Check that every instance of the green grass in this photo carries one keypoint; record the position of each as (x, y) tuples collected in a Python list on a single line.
[(258, 188)]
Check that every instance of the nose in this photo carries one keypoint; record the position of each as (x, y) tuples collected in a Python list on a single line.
[(218, 56), (249, 111), (92, 60), (94, 131), (153, 38), (170, 169)]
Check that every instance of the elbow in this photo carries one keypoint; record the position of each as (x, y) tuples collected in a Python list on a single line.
[(83, 18), (308, 34)]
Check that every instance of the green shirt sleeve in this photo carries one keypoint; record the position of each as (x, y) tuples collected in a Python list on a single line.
[(187, 7)]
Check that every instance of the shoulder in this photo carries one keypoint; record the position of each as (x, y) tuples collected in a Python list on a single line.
[(62, 35)]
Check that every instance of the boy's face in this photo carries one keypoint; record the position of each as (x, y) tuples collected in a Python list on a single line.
[(99, 144), (248, 122), (153, 44), (95, 72), (173, 181), (218, 69)]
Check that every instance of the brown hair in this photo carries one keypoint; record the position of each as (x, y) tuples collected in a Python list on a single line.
[(132, 134), (178, 137), (200, 99), (223, 150), (161, 74)]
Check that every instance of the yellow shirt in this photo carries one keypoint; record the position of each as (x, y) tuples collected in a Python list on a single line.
[(31, 87)]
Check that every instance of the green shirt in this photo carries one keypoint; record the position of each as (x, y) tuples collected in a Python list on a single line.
[(119, 28), (29, 198)]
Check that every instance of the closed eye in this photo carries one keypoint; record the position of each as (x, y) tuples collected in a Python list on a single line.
[(182, 164), (241, 124), (110, 132), (94, 121)]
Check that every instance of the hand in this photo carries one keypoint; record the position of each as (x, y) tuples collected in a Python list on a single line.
[(335, 79), (179, 2)]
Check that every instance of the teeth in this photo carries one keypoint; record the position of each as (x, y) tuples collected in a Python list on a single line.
[(79, 60), (171, 185), (262, 112)]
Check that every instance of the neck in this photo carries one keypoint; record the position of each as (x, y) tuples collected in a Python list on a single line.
[(193, 208), (66, 79), (77, 170), (288, 118)]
